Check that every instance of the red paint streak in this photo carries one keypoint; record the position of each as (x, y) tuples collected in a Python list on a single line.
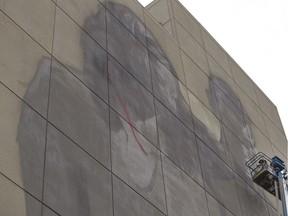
[(128, 118)]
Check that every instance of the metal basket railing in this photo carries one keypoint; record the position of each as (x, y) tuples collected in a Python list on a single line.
[(252, 164)]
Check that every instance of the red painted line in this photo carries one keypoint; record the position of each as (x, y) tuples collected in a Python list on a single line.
[(129, 119)]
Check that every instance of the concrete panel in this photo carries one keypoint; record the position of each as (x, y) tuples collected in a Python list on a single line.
[(160, 11), (223, 81), (168, 27), (136, 161), (105, 107), (67, 41), (283, 156), (251, 202), (164, 47), (269, 109), (213, 48), (252, 111), (131, 14), (208, 128), (219, 179), (170, 91), (184, 196), (232, 117), (197, 81), (79, 113), (75, 184), (79, 52), (260, 142), (48, 212), (240, 154), (90, 15), (276, 136), (191, 47), (128, 203), (13, 200), (125, 93), (215, 208), (128, 51), (178, 143), (37, 21), (243, 81), (20, 58), (272, 211), (186, 20), (22, 135), (271, 201)]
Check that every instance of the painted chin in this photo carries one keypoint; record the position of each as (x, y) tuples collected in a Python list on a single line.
[(139, 166)]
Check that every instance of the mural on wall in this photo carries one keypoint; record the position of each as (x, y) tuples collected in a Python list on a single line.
[(135, 115)]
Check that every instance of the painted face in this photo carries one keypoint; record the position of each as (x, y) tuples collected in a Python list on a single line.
[(131, 53), (131, 153), (134, 157), (138, 156)]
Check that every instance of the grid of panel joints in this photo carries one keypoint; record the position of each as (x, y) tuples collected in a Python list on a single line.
[(200, 44), (196, 22)]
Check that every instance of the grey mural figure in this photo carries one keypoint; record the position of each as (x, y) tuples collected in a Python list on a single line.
[(180, 146), (82, 116), (70, 176), (132, 101)]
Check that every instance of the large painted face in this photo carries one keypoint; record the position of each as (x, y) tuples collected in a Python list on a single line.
[(134, 158), (239, 137), (230, 105), (132, 54), (132, 101)]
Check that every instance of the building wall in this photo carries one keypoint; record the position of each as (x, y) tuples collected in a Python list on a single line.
[(162, 11), (102, 112)]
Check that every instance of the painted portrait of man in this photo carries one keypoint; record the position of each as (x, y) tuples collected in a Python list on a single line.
[(122, 109)]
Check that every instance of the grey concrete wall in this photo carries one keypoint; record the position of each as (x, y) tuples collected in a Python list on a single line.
[(102, 112), (162, 12)]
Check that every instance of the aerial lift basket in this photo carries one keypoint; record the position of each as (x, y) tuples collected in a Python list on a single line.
[(264, 173)]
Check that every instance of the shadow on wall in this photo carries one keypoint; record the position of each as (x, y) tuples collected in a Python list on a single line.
[(78, 113)]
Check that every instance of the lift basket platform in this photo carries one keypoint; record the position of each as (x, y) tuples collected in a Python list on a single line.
[(262, 172)]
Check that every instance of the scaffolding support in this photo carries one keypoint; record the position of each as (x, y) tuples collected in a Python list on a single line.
[(277, 195), (282, 176)]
